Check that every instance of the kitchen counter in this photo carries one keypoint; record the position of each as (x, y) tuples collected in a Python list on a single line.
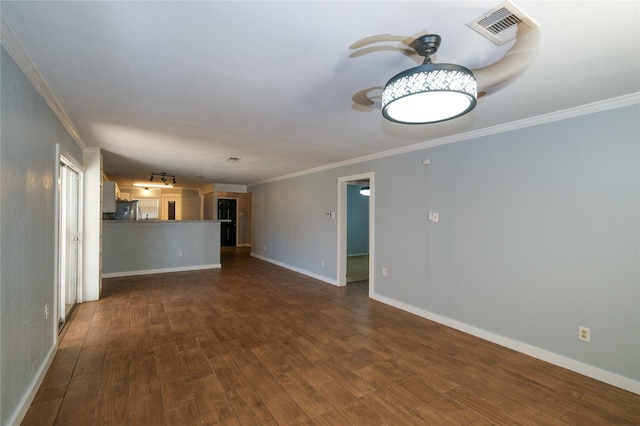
[(160, 221), (159, 246)]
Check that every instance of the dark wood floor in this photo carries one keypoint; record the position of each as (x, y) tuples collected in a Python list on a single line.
[(255, 344)]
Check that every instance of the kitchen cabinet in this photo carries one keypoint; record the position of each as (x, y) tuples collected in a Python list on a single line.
[(110, 193)]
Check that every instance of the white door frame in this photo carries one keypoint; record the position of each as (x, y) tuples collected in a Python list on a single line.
[(62, 157), (165, 198), (341, 279)]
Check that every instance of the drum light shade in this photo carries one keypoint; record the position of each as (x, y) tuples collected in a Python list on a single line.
[(429, 93)]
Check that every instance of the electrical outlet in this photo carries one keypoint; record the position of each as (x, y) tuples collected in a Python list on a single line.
[(264, 248), (323, 263), (435, 216), (584, 334), (46, 311), (180, 253), (384, 271)]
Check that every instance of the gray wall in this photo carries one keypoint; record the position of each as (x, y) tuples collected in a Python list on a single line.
[(154, 246), (357, 221), (29, 132), (538, 233)]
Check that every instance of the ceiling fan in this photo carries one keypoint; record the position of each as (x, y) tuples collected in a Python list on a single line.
[(502, 24)]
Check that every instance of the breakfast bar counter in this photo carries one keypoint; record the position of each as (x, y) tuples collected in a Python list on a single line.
[(138, 247)]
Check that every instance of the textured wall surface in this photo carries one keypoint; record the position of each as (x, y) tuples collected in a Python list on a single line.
[(150, 245), (29, 133), (538, 233)]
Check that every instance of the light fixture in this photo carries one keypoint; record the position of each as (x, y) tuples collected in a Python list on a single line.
[(163, 178), (429, 93), (366, 191), (146, 185)]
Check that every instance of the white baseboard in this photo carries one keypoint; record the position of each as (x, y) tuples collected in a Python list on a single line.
[(293, 268), (160, 271), (32, 390), (550, 357)]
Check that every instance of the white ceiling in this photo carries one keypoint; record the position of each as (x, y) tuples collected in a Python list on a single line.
[(181, 86)]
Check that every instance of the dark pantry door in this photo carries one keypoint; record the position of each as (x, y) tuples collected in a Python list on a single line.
[(227, 211)]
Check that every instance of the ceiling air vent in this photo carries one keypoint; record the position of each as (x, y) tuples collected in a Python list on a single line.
[(503, 23)]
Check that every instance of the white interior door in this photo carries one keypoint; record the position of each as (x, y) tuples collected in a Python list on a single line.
[(69, 240)]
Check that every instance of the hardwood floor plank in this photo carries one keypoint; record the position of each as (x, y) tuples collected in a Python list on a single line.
[(169, 363), (330, 418), (483, 407), (68, 351), (195, 363), (248, 407), (389, 410), (335, 393), (229, 374), (211, 400), (113, 405), (525, 411), (42, 412), (183, 416), (144, 378), (55, 383), (147, 410), (454, 410), (255, 344), (310, 350), (354, 384), (177, 394), (392, 391), (80, 399), (90, 359), (211, 345), (306, 396), (116, 367), (277, 400), (357, 413)]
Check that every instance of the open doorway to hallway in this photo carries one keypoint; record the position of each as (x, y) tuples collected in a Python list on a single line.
[(356, 231)]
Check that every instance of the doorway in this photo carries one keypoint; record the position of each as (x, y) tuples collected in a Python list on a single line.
[(171, 207), (358, 232), (365, 179), (227, 211), (69, 239)]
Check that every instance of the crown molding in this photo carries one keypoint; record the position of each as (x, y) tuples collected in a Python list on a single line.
[(600, 106), (13, 45)]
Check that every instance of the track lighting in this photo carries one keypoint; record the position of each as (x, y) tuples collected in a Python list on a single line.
[(163, 177)]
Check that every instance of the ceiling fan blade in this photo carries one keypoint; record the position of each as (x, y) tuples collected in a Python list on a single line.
[(516, 61), (381, 38), (362, 100), (372, 49)]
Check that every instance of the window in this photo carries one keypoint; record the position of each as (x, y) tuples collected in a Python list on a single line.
[(149, 208)]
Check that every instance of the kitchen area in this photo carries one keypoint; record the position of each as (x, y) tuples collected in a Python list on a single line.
[(150, 230)]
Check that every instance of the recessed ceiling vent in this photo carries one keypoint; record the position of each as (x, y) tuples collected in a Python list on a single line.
[(503, 23)]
